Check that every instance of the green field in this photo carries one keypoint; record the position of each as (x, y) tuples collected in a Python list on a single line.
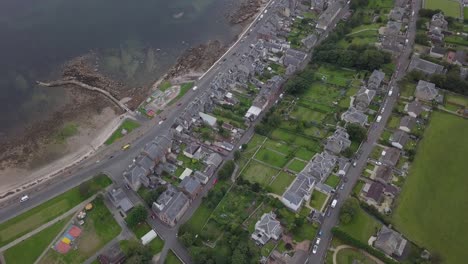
[(257, 172), (172, 258), (296, 165), (362, 227), (457, 99), (282, 147), (128, 125), (336, 76), (465, 12), (35, 245), (271, 157), (141, 229), (332, 181), (32, 219), (318, 199), (304, 154), (431, 208), (450, 8), (305, 114), (100, 227), (281, 182), (351, 255), (156, 245)]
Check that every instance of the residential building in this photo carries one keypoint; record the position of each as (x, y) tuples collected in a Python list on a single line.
[(425, 66), (317, 5), (201, 177), (320, 166), (393, 28), (437, 52), (390, 157), (375, 80), (328, 16), (135, 176), (384, 174), (397, 13), (407, 123), (374, 193), (267, 228), (461, 58), (214, 159), (338, 142), (157, 149), (438, 21), (208, 119), (171, 205), (390, 242), (112, 255), (310, 41), (253, 112), (192, 150), (190, 186), (294, 57), (363, 98), (399, 139), (119, 199), (354, 116), (299, 191), (414, 109), (426, 91)]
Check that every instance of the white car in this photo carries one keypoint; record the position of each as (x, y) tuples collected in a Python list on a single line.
[(195, 88), (160, 122), (314, 250), (24, 198), (317, 241)]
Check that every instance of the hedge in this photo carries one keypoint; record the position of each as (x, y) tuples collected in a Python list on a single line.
[(346, 238)]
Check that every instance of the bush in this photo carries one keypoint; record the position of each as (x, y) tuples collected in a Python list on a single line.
[(227, 170), (136, 216)]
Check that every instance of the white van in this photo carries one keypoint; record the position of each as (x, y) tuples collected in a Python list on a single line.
[(24, 198), (334, 202), (379, 118), (390, 93)]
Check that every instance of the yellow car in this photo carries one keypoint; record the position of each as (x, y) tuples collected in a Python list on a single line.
[(126, 147)]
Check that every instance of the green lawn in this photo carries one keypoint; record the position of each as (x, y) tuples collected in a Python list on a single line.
[(333, 181), (156, 245), (35, 245), (457, 99), (184, 88), (362, 227), (438, 181), (450, 8), (257, 172), (32, 219), (393, 122), (282, 147), (296, 165), (305, 114), (141, 230), (165, 85), (304, 154), (282, 182), (465, 12), (100, 227), (407, 89), (457, 40), (292, 138), (128, 125), (336, 76), (271, 157), (172, 258), (318, 199), (350, 256), (307, 232)]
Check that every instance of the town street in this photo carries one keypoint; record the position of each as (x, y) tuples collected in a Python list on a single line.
[(374, 133)]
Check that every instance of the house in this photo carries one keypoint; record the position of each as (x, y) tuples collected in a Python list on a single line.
[(390, 157), (112, 255), (438, 21), (393, 28), (186, 173), (214, 159), (437, 52), (414, 109), (294, 57), (425, 66), (390, 242), (338, 142), (397, 13), (192, 150), (135, 176), (299, 190), (399, 139), (374, 193), (384, 174), (267, 228), (157, 149), (461, 58), (201, 177), (145, 162), (208, 119), (310, 41), (253, 112), (354, 116), (375, 80), (450, 57), (317, 5), (363, 98), (171, 205), (426, 91), (190, 186), (328, 16), (407, 123), (119, 199), (320, 166)]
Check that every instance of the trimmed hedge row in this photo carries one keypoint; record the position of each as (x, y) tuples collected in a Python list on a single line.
[(345, 237)]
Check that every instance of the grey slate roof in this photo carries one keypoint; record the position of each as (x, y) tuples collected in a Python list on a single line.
[(338, 142), (214, 159), (399, 137), (391, 157), (321, 166), (397, 13), (171, 203), (190, 185), (425, 66), (426, 91), (298, 189), (384, 174), (390, 242), (414, 107), (375, 80), (309, 41), (363, 98), (407, 122), (354, 116), (120, 200)]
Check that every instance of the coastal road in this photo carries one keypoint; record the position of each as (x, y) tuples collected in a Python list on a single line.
[(374, 133)]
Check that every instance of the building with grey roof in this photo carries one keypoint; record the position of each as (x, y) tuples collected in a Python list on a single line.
[(156, 150), (328, 16), (363, 98), (338, 142), (192, 149), (414, 109), (438, 21), (317, 5), (384, 174), (397, 13), (267, 228), (390, 156), (190, 186), (201, 177), (392, 28), (399, 139), (208, 119), (320, 166), (390, 242), (119, 199), (214, 159), (310, 41), (375, 80), (354, 116), (299, 190), (425, 66), (171, 205), (135, 176), (407, 123), (427, 91), (145, 162)]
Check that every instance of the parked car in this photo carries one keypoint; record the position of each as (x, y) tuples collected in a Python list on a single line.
[(314, 250), (317, 241), (24, 198)]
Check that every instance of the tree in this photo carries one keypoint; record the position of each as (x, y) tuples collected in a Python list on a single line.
[(137, 253), (237, 155), (153, 195), (136, 216), (356, 132), (348, 210), (226, 170), (348, 153), (421, 38)]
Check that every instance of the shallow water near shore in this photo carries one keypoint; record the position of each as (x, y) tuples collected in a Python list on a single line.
[(134, 41)]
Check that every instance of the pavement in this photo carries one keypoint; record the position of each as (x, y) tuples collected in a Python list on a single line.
[(374, 133)]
